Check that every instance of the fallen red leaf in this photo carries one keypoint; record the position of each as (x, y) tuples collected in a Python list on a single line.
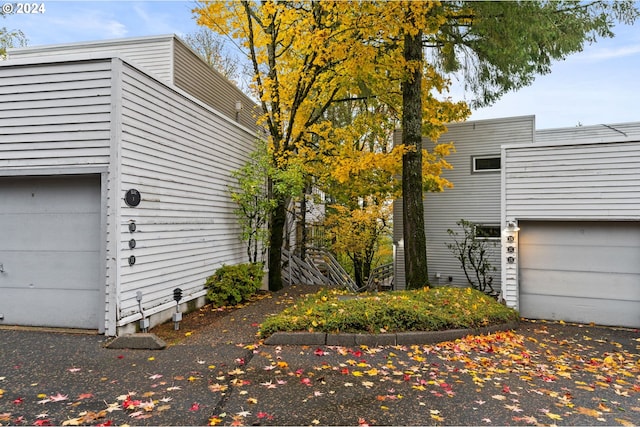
[(130, 403), (85, 396), (195, 407), (265, 415)]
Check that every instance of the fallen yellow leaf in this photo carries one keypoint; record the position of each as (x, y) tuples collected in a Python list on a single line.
[(553, 416), (590, 412)]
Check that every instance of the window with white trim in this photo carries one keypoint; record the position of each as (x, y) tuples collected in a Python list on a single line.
[(487, 232), (485, 164)]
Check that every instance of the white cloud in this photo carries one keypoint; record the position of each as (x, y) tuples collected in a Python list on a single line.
[(607, 53), (100, 23), (66, 22), (164, 17)]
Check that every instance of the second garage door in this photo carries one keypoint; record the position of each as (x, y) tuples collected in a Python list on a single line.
[(580, 271), (50, 251)]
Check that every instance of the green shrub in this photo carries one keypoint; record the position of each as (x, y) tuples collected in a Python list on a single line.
[(233, 284), (399, 311)]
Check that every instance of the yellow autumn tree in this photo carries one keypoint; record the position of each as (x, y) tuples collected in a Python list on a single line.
[(309, 56), (362, 177)]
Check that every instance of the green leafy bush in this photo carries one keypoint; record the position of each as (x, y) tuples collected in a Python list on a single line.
[(428, 309), (233, 284)]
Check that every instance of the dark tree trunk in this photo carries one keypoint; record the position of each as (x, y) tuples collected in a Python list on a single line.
[(276, 239), (415, 244), (358, 270)]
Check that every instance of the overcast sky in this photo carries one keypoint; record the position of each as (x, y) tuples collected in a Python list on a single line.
[(598, 85)]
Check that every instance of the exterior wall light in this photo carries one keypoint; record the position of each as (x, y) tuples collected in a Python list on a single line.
[(512, 227), (177, 316)]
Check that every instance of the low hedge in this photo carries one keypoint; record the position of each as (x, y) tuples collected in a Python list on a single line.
[(428, 309), (234, 284)]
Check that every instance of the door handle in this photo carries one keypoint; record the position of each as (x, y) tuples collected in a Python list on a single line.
[(1, 268)]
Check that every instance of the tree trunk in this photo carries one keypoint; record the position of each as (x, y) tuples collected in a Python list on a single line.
[(276, 239), (357, 270), (415, 244)]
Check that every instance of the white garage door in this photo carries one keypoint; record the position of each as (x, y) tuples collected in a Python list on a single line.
[(50, 251), (580, 271)]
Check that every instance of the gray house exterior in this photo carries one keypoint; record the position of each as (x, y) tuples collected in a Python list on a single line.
[(567, 205), (575, 198), (115, 163), (475, 196)]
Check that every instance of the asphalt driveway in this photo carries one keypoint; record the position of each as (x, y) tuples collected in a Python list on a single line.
[(542, 373)]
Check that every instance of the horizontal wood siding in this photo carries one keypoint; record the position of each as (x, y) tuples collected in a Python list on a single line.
[(55, 115), (153, 54), (590, 134), (180, 156), (475, 196), (195, 77), (587, 181)]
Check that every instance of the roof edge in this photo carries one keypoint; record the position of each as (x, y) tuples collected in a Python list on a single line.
[(106, 42)]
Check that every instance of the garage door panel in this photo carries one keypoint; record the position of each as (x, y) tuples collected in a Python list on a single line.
[(51, 308), (583, 310), (64, 270), (43, 231), (54, 194), (583, 233), (602, 258), (585, 284)]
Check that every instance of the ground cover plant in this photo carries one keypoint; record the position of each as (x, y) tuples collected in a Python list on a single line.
[(427, 309)]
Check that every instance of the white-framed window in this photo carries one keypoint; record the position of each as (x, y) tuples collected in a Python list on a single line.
[(487, 231), (481, 164)]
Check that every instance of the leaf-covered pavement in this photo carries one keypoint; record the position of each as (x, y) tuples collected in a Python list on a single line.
[(545, 373)]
